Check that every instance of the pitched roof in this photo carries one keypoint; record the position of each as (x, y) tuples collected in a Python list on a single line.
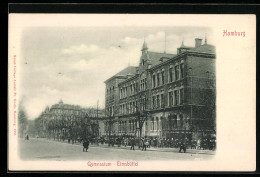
[(205, 48), (130, 70), (185, 47), (156, 56), (65, 106)]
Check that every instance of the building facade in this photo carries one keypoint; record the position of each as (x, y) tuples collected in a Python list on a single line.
[(65, 121), (166, 96)]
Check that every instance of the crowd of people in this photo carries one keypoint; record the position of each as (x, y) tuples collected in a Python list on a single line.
[(207, 143)]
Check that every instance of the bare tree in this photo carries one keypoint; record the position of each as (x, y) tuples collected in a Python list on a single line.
[(140, 114), (111, 120)]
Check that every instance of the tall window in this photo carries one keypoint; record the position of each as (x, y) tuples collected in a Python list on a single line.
[(162, 100), (177, 72), (158, 79), (113, 91), (153, 101), (176, 97), (170, 98), (162, 78), (130, 107), (158, 101), (182, 70), (181, 96), (170, 75), (131, 90), (153, 81), (145, 81)]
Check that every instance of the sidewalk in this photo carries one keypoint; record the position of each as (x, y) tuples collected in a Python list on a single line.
[(176, 150)]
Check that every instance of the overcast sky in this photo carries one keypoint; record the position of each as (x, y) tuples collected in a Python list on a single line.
[(72, 63)]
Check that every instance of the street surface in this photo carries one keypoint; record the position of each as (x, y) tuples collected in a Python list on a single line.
[(45, 149)]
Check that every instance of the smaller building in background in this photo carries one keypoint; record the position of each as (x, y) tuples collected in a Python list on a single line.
[(69, 122)]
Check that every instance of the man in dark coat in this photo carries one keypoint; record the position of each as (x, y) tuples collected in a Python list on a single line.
[(132, 144), (85, 145), (144, 143), (183, 144)]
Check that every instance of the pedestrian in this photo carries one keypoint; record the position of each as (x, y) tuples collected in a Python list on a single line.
[(126, 141), (198, 144), (144, 143), (168, 143), (193, 144), (183, 145), (85, 145), (118, 141), (132, 144)]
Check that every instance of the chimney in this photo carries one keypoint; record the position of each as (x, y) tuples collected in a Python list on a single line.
[(198, 42)]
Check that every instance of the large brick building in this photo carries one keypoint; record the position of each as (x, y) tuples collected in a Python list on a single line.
[(172, 94)]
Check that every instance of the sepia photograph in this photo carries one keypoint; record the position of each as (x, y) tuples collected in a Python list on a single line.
[(121, 92)]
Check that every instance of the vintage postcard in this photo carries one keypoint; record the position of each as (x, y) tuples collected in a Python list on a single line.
[(131, 92)]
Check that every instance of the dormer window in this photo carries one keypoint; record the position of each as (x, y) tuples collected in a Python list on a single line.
[(143, 62)]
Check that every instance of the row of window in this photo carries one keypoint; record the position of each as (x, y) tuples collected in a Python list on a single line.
[(110, 92), (176, 97), (171, 122), (128, 108), (133, 106), (65, 111), (166, 124), (175, 73), (124, 91), (129, 125)]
